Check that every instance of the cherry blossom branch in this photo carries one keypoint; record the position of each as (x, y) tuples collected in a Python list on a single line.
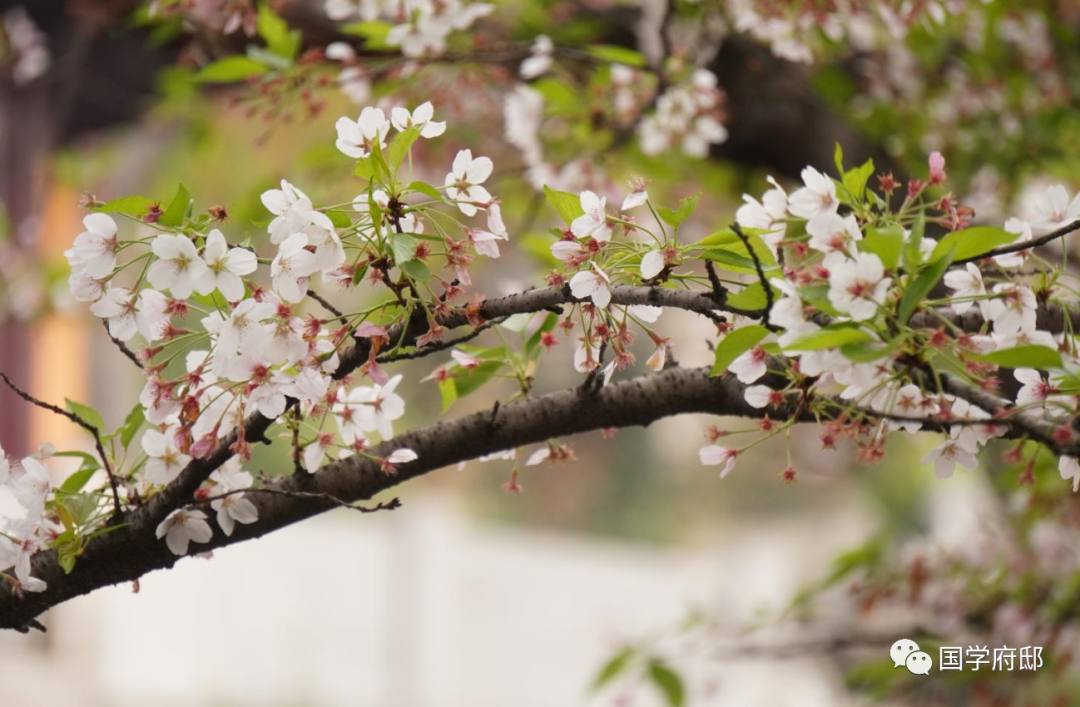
[(769, 301), (117, 510), (328, 306), (324, 498), (133, 550), (128, 353), (1023, 245)]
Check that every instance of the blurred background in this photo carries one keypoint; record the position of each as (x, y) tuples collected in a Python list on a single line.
[(752, 591)]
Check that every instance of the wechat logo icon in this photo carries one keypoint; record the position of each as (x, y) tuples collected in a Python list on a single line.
[(906, 652)]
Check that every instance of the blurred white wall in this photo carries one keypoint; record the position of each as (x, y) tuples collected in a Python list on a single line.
[(417, 608)]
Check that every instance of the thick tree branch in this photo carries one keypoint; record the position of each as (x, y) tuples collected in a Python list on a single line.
[(133, 550)]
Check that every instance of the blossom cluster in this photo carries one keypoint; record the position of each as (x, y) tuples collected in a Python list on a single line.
[(855, 276), (256, 350), (421, 26)]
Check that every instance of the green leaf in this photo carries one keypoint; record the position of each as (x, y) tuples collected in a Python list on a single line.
[(81, 507), (726, 248), (886, 243), (867, 351), (855, 180), (427, 189), (275, 31), (972, 242), (399, 147), (669, 683), (468, 380), (736, 344), (230, 70), (374, 32), (416, 269), (67, 553), (85, 413), (128, 205), (838, 158), (1028, 356), (79, 479), (178, 208), (613, 667), (403, 247), (751, 297), (550, 322), (567, 205), (913, 256), (617, 55), (448, 393), (921, 286), (831, 337), (686, 209), (132, 423), (339, 218)]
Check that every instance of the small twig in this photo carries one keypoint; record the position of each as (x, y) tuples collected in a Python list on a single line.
[(391, 505), (719, 291), (593, 381), (298, 465), (131, 355), (328, 306), (761, 275), (391, 356), (1023, 245), (81, 423)]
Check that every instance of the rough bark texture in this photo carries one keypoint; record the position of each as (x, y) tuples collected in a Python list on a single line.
[(132, 551)]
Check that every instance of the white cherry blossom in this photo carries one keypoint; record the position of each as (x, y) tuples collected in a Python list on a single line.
[(464, 180), (593, 223), (292, 267), (403, 120), (165, 461), (178, 268), (357, 138), (182, 527), (858, 286), (592, 284), (225, 266)]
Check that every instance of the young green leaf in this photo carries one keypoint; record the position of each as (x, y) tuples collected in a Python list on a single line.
[(669, 683), (736, 344), (274, 30), (617, 55), (85, 413), (614, 667), (1028, 356), (885, 242), (127, 205), (177, 209), (567, 205), (230, 70), (972, 242), (830, 338), (921, 286), (132, 423), (686, 209), (397, 150), (416, 269), (855, 179), (403, 247)]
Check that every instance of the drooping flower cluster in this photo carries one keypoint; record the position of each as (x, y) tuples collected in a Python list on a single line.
[(28, 481)]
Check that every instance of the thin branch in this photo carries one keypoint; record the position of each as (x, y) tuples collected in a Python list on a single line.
[(131, 355), (761, 276), (325, 498), (1023, 245), (328, 307), (117, 510), (437, 346)]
